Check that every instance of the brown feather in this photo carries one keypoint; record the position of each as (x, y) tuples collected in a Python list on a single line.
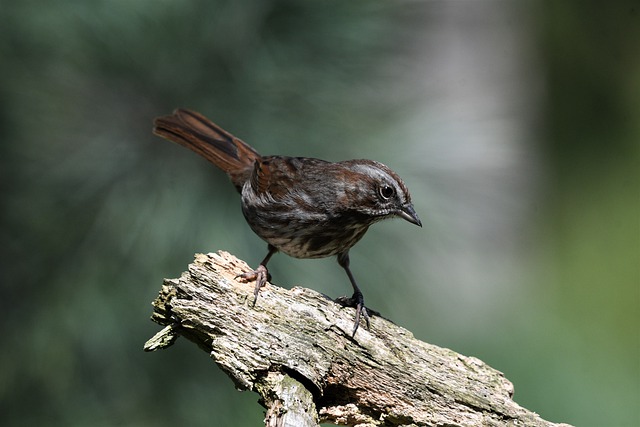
[(199, 134)]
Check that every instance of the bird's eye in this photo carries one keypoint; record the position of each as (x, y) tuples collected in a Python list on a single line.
[(386, 191)]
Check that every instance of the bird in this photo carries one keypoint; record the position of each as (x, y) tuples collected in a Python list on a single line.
[(301, 206)]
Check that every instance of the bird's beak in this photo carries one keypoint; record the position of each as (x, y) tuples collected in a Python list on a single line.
[(409, 213)]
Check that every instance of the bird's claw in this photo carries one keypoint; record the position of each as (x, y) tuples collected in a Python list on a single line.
[(260, 275), (356, 301)]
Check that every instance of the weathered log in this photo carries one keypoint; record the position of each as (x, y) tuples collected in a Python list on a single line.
[(293, 347)]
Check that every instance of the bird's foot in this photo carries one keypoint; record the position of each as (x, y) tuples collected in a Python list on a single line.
[(356, 301), (260, 275)]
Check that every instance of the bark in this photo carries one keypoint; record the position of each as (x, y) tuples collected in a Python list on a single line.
[(293, 347)]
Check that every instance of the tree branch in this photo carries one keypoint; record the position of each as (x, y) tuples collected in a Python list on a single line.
[(294, 349)]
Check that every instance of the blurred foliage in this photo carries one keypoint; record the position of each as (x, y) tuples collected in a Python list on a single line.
[(96, 211)]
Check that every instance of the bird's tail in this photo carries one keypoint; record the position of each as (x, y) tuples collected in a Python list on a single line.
[(199, 134)]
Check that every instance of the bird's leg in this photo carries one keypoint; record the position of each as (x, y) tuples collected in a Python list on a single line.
[(357, 300), (260, 274)]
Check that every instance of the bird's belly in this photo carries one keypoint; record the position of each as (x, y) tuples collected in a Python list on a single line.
[(303, 234), (316, 244)]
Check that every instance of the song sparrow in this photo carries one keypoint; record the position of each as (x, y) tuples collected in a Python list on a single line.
[(304, 207)]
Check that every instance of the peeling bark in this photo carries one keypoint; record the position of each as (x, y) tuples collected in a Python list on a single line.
[(293, 347)]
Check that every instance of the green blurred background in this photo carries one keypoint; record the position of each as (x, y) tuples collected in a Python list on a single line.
[(516, 126)]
